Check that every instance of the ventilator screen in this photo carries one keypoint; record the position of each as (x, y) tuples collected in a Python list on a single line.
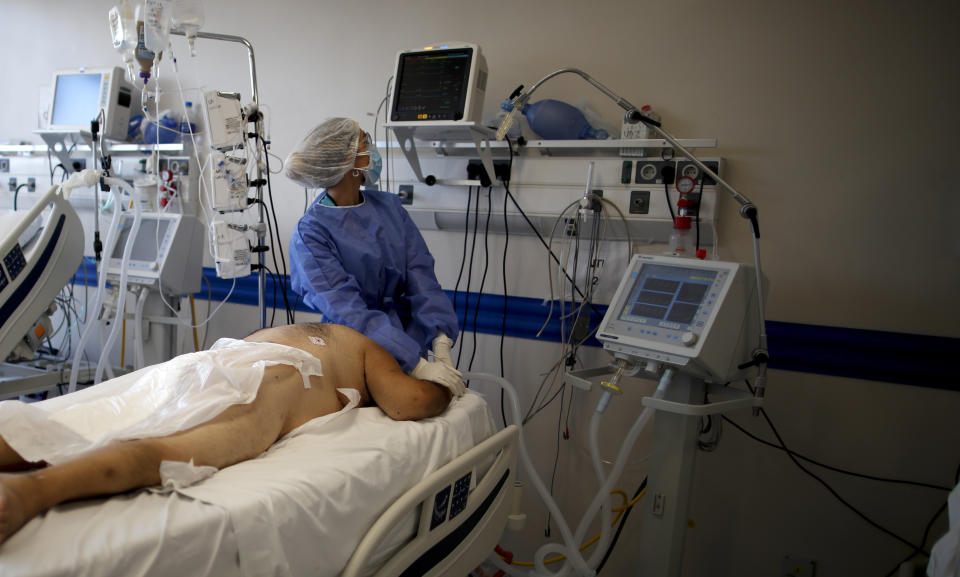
[(667, 296)]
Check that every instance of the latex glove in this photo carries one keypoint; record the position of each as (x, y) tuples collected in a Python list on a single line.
[(441, 349), (441, 374)]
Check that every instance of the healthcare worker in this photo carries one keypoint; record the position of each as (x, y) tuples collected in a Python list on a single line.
[(357, 258)]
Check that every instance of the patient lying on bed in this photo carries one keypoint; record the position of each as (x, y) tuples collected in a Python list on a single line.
[(240, 432)]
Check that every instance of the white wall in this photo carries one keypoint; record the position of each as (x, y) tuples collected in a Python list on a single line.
[(836, 119)]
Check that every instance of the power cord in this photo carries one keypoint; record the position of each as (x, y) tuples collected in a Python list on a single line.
[(623, 521), (503, 317), (483, 279), (473, 248), (914, 548), (291, 314), (926, 531)]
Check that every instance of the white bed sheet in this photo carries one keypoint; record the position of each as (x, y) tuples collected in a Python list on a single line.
[(299, 509)]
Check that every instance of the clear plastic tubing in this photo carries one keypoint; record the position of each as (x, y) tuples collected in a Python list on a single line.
[(606, 516), (138, 358), (575, 557), (122, 286), (638, 426), (92, 321), (572, 549)]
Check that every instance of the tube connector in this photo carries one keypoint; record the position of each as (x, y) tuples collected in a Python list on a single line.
[(82, 179)]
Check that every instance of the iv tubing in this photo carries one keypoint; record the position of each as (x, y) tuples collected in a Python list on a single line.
[(98, 298), (122, 285)]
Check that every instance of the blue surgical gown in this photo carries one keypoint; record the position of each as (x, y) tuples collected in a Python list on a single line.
[(368, 267)]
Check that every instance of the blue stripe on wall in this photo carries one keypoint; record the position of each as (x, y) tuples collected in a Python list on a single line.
[(903, 358)]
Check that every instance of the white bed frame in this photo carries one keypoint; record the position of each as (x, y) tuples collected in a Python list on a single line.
[(458, 528)]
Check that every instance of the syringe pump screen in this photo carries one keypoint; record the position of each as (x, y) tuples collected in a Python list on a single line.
[(699, 316), (439, 83)]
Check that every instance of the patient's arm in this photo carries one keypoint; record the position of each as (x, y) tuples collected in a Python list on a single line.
[(399, 395)]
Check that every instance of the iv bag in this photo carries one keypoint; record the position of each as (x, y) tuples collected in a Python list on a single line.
[(187, 15), (156, 25)]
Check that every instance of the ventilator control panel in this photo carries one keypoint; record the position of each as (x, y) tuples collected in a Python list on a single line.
[(680, 311)]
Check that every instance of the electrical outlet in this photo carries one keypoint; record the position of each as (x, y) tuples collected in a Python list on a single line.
[(798, 566), (570, 226), (4, 165), (406, 194), (31, 184), (476, 171), (649, 172), (12, 184), (639, 202), (687, 168)]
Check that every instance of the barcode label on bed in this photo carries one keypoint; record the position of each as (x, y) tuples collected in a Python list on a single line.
[(440, 505), (461, 489)]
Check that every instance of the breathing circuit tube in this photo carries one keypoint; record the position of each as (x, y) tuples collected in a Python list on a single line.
[(112, 235), (571, 543), (122, 286), (138, 357)]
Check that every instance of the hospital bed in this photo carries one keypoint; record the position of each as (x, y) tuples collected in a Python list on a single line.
[(40, 250), (360, 494)]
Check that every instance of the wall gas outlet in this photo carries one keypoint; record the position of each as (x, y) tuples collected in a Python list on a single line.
[(4, 165), (639, 202), (405, 193)]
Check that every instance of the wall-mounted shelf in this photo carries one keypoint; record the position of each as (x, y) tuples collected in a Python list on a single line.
[(472, 137), (63, 144), (114, 147)]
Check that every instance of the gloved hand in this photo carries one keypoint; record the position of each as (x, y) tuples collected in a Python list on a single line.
[(441, 349), (441, 374)]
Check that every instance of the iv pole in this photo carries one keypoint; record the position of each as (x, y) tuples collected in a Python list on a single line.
[(258, 129)]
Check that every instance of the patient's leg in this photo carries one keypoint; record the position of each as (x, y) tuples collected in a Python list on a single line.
[(241, 432)]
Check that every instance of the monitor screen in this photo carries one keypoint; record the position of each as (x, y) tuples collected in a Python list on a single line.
[(432, 85), (667, 296), (146, 247), (76, 99)]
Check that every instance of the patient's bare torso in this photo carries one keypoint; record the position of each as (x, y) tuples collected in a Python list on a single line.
[(341, 353)]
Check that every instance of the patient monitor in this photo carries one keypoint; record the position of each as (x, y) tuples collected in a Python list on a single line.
[(40, 251), (166, 253), (438, 87), (78, 96), (699, 316)]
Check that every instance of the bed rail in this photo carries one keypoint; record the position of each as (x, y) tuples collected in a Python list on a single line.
[(458, 528)]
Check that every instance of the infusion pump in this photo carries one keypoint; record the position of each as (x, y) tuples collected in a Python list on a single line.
[(699, 316)]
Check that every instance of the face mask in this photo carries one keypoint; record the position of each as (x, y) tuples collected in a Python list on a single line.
[(371, 172)]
